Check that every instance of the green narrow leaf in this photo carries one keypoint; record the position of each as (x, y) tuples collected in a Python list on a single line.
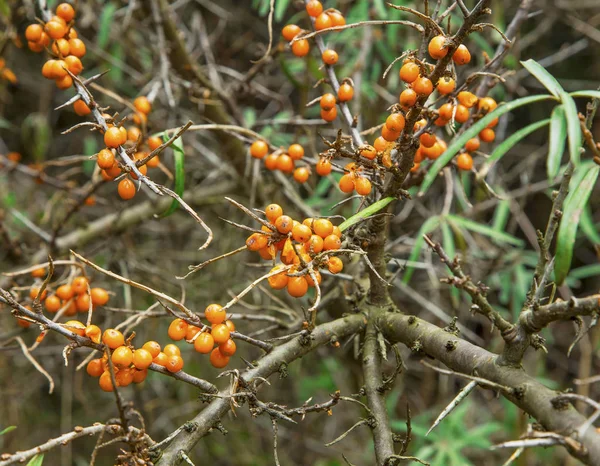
[(541, 74), (592, 94), (179, 156), (372, 209), (573, 127), (485, 230), (459, 142), (106, 19), (37, 460), (428, 226), (7, 430), (573, 208), (450, 248), (586, 271), (514, 139), (556, 141), (588, 227), (501, 215)]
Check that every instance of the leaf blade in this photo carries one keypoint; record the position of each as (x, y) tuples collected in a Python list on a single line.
[(556, 141), (485, 230), (427, 227), (179, 163), (372, 209)]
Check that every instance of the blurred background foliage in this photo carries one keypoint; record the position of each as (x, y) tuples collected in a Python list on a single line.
[(494, 240)]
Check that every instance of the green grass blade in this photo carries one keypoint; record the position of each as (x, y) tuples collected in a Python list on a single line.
[(485, 230), (179, 157), (556, 141), (428, 226), (541, 74), (588, 227), (574, 205), (459, 142), (37, 460), (372, 209), (592, 94)]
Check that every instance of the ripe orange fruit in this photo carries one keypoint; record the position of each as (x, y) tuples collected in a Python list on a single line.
[(113, 338), (395, 122), (142, 104), (323, 21), (256, 241), (33, 33), (322, 227), (142, 358), (220, 333), (39, 273), (300, 48), (105, 382), (64, 82), (279, 281), (290, 31), (228, 348), (461, 56), (174, 363), (437, 48), (446, 85), (259, 149), (95, 368), (472, 145), (215, 314), (204, 343), (423, 86), (271, 161), (177, 329), (314, 8), (122, 357), (297, 286), (81, 108), (79, 285), (34, 291), (362, 186), (296, 151), (285, 163), (445, 111), (284, 224), (427, 139), (273, 212), (337, 19), (301, 174), (126, 189), (65, 11), (335, 265), (301, 233), (462, 113), (408, 98), (487, 135), (345, 92), (327, 102), (152, 347), (230, 325), (468, 99), (160, 359), (323, 167), (486, 104), (171, 349), (113, 137), (389, 135), (192, 331), (140, 376), (93, 332), (105, 158), (52, 303), (154, 142), (333, 242), (409, 72), (55, 29), (64, 292), (464, 161), (330, 57), (218, 359), (329, 115), (314, 244), (346, 183)]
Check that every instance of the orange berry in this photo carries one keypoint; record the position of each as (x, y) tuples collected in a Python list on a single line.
[(427, 139), (461, 56), (82, 302), (122, 357), (323, 167), (64, 292), (409, 72), (256, 241), (171, 349), (330, 57), (285, 163), (142, 104), (314, 244), (230, 325), (408, 98), (462, 114), (140, 376), (446, 85), (278, 281), (486, 104), (310, 281), (34, 291), (62, 48), (472, 145), (192, 331), (487, 135), (133, 133), (437, 48), (64, 82), (93, 332), (329, 115), (48, 69), (95, 368), (445, 111), (39, 273), (105, 382), (296, 151), (314, 8), (327, 102), (105, 158), (273, 212), (300, 48), (154, 142), (177, 329), (124, 377), (220, 333), (301, 233), (323, 21), (345, 92), (464, 161), (65, 11), (126, 189), (160, 359), (284, 224), (33, 33), (36, 46), (336, 231), (322, 227), (113, 137), (369, 152), (228, 348), (218, 359), (79, 285), (388, 135), (55, 29), (52, 303), (259, 149), (363, 186), (415, 167), (81, 108), (337, 19), (335, 265), (152, 347), (204, 343), (301, 174), (332, 241), (346, 183), (395, 122), (290, 31), (113, 338), (423, 86), (433, 152), (271, 161), (142, 358), (297, 286), (215, 314), (174, 363), (468, 99)]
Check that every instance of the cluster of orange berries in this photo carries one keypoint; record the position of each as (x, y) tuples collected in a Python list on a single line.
[(67, 49), (353, 180), (322, 20), (116, 136), (73, 297), (130, 364), (328, 101), (6, 72), (204, 340), (298, 244), (282, 161)]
